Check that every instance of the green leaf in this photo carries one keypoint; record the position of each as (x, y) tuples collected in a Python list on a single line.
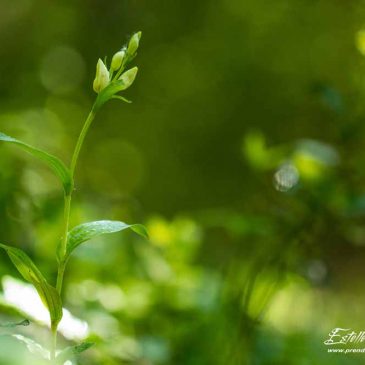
[(31, 273), (72, 351), (87, 231), (53, 162)]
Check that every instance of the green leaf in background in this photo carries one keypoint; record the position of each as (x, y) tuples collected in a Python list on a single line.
[(24, 323), (72, 351), (33, 347), (31, 273), (53, 162), (87, 231)]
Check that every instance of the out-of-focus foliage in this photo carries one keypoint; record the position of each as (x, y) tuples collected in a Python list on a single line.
[(242, 152)]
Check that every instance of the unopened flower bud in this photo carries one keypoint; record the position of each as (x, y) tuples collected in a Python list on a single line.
[(102, 77), (117, 60), (134, 43), (128, 77)]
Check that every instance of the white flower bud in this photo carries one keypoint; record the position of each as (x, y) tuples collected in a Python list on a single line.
[(134, 43), (117, 60), (102, 77), (128, 77)]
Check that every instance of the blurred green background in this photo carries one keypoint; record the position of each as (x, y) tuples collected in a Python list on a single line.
[(242, 153)]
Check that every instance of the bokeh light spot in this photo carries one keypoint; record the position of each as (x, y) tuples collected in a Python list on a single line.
[(286, 177), (360, 41), (62, 70)]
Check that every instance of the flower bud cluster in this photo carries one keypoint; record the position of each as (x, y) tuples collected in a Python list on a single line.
[(104, 77)]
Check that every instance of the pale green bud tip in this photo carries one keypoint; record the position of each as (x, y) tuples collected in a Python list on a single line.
[(102, 77), (128, 77), (134, 43), (117, 60)]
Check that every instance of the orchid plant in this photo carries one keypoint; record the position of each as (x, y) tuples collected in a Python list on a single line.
[(108, 84)]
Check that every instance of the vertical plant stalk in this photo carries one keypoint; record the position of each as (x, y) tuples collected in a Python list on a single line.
[(81, 139), (106, 87), (68, 199), (53, 344), (66, 221)]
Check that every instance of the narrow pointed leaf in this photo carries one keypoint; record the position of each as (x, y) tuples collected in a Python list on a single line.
[(53, 162), (122, 98), (31, 273), (87, 231), (72, 351)]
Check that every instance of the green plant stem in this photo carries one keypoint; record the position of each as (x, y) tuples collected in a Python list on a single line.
[(68, 198), (66, 221), (81, 139), (53, 345), (60, 274)]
